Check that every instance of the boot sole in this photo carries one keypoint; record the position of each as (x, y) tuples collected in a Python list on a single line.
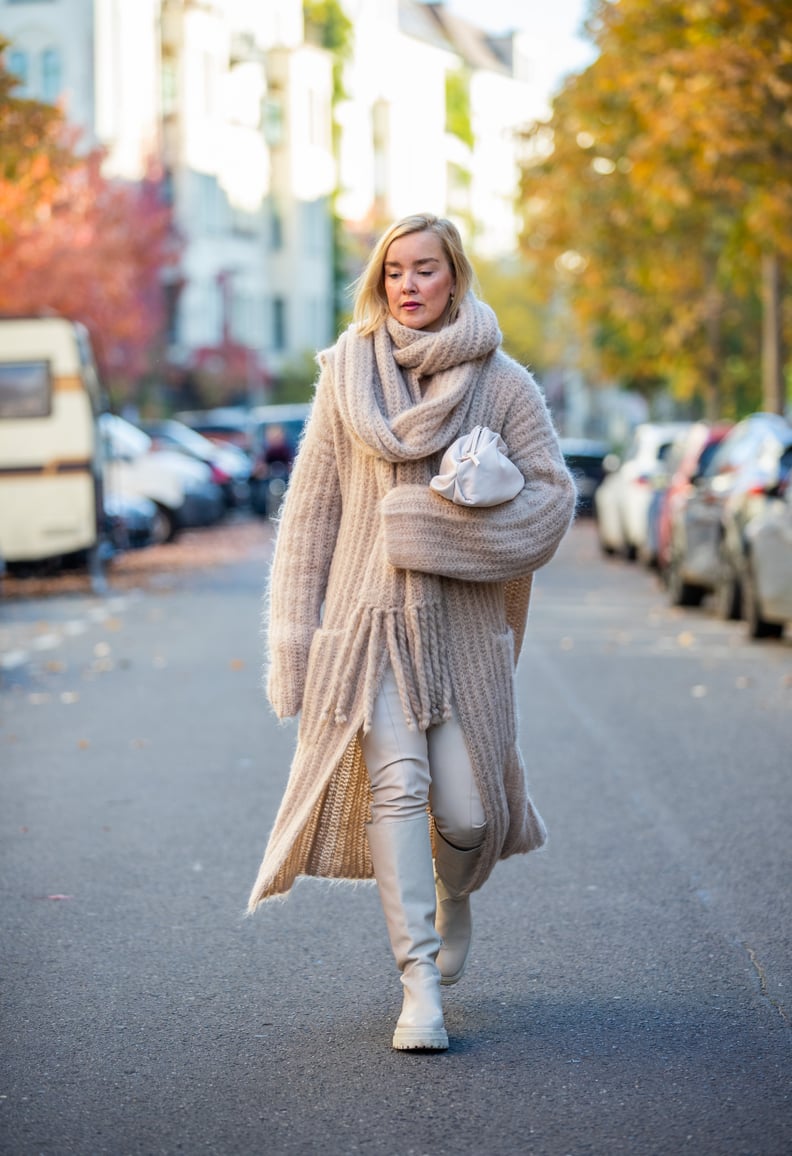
[(414, 1040)]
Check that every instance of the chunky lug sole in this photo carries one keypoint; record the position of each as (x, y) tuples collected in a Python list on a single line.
[(420, 1039)]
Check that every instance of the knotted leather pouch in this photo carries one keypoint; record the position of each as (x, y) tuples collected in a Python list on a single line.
[(475, 471)]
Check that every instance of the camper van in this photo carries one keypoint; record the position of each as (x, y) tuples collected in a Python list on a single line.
[(51, 507)]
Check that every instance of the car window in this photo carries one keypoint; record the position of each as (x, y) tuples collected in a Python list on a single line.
[(25, 389), (706, 456)]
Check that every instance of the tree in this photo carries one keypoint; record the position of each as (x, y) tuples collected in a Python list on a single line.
[(35, 155), (327, 25), (73, 242), (663, 184)]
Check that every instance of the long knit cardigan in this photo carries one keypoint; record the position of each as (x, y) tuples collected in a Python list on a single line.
[(372, 567)]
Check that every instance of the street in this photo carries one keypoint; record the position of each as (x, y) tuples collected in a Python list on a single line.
[(630, 987)]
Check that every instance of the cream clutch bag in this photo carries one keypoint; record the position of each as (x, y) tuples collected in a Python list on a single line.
[(475, 471)]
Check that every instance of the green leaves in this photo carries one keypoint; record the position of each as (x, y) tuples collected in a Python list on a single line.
[(662, 178)]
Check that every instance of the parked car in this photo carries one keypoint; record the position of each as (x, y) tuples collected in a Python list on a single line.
[(224, 425), (130, 521), (182, 489), (229, 464), (687, 460), (584, 458), (622, 500), (707, 539), (766, 571)]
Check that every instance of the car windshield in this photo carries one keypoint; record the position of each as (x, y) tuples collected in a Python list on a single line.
[(187, 437)]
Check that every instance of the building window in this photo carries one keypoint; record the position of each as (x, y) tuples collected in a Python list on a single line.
[(276, 229), (380, 127), (50, 75), (18, 65), (170, 85), (272, 121), (278, 324)]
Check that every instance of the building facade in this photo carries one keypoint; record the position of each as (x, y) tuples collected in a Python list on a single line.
[(432, 122), (227, 100)]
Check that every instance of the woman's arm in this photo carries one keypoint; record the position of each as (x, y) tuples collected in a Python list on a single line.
[(303, 553), (426, 532)]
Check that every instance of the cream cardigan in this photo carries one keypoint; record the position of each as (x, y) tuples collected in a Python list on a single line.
[(372, 567)]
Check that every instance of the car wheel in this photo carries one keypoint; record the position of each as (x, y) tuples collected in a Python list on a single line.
[(758, 627), (680, 592), (165, 526)]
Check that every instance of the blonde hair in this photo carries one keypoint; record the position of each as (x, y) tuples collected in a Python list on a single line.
[(370, 301)]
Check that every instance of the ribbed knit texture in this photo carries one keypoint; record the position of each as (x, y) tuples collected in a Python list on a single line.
[(372, 567)]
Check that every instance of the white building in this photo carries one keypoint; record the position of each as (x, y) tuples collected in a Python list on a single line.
[(99, 59), (400, 151), (235, 107)]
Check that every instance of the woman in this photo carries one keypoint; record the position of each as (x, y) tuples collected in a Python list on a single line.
[(396, 616)]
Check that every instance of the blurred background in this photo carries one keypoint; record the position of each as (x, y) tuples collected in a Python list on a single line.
[(198, 184), (193, 188)]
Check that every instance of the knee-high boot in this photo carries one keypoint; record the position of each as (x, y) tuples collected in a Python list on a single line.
[(453, 870), (402, 856)]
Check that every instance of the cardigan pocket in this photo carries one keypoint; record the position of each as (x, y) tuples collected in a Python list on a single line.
[(326, 646)]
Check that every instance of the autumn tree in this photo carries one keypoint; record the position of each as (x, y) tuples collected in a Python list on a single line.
[(75, 243), (35, 155), (661, 190)]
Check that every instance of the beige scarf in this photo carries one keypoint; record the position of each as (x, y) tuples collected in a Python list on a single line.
[(404, 394)]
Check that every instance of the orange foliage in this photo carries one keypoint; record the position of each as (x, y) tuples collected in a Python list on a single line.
[(663, 175), (75, 243)]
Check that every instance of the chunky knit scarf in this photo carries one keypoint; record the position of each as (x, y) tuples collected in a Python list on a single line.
[(404, 397)]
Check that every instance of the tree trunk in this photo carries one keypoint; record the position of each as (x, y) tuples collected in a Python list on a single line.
[(712, 379), (773, 391)]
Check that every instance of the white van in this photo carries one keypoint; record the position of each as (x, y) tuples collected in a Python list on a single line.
[(51, 506)]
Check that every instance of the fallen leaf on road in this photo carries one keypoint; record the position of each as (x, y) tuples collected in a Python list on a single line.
[(83, 744), (236, 664)]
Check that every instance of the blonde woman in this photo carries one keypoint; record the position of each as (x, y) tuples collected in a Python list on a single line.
[(395, 615)]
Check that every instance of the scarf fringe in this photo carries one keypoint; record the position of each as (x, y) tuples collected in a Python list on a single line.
[(411, 641)]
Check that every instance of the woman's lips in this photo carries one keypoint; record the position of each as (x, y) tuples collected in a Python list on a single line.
[(411, 305)]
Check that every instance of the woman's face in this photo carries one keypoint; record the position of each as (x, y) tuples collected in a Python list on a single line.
[(418, 280)]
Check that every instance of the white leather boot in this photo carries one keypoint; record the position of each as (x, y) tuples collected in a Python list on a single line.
[(402, 856), (453, 870)]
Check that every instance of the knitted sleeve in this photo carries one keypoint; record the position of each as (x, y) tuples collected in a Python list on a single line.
[(425, 532), (301, 563)]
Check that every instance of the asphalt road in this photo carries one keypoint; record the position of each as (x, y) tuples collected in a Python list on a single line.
[(630, 988)]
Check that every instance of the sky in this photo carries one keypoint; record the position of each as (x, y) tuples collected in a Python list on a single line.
[(552, 24)]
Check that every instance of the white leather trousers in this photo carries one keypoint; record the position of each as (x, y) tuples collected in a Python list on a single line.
[(409, 768)]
